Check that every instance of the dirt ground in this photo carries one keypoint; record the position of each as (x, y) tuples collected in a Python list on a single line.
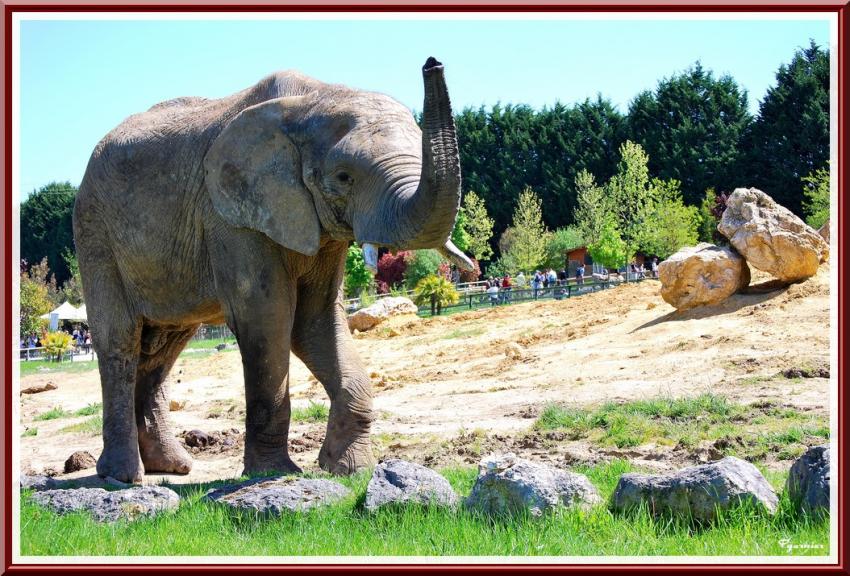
[(483, 376)]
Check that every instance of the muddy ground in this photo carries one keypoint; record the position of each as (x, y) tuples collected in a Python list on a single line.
[(450, 389)]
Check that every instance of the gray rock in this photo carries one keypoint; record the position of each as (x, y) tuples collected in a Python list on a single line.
[(397, 481), (279, 494), (808, 480), (697, 491), (129, 504), (38, 482), (510, 485)]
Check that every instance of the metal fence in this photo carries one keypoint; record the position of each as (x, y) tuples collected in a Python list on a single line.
[(213, 332), (79, 354), (514, 295)]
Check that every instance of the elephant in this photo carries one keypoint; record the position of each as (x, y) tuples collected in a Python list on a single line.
[(241, 210)]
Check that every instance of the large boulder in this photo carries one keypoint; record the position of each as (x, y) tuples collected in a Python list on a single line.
[(697, 492), (398, 481), (770, 237), (808, 481), (702, 275), (508, 485), (104, 506), (276, 495), (373, 315)]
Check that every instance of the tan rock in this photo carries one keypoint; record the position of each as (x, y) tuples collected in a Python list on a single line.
[(176, 405), (824, 231), (770, 237), (371, 316), (702, 275)]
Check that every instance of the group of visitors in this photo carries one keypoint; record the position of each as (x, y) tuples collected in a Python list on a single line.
[(639, 271), (499, 289)]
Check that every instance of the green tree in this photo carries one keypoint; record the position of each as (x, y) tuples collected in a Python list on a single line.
[(790, 137), (34, 303), (436, 291), (707, 222), (593, 206), (610, 250), (420, 264), (530, 236), (630, 195), (478, 225), (816, 203), (72, 290), (561, 241), (46, 227), (670, 224), (690, 127), (460, 237), (357, 275)]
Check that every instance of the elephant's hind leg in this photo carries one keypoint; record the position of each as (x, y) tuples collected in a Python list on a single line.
[(159, 449)]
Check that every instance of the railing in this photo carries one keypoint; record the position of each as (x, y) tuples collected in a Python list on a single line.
[(515, 295), (72, 354), (213, 332), (353, 304)]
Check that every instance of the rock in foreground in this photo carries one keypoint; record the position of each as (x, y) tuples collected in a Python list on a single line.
[(808, 480), (129, 504), (279, 494), (399, 482), (702, 275), (770, 237), (697, 491), (373, 315), (510, 485)]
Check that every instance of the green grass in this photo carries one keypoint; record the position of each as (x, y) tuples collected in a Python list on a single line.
[(346, 529), (93, 426), (53, 414), (208, 344), (463, 333), (314, 412), (753, 431), (42, 366), (30, 432), (89, 410)]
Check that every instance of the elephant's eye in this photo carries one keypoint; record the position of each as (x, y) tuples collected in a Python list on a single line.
[(344, 178)]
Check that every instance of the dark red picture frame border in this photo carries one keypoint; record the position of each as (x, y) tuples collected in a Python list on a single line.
[(159, 6)]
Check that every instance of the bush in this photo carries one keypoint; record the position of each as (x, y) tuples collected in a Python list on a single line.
[(421, 264), (56, 344), (471, 275), (357, 276), (391, 268), (437, 292)]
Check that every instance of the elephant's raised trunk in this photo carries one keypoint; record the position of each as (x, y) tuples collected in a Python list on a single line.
[(422, 215), (432, 210)]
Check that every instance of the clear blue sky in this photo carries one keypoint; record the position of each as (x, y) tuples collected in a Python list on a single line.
[(81, 78)]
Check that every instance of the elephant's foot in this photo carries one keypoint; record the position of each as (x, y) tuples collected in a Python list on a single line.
[(163, 454), (123, 464), (344, 456), (262, 459)]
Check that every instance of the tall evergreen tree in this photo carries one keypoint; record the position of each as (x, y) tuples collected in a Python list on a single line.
[(690, 127), (46, 227), (790, 137)]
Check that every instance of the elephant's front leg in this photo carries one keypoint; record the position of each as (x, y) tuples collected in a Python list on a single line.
[(259, 296), (321, 339)]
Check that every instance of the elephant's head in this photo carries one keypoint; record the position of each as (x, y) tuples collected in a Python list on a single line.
[(351, 164)]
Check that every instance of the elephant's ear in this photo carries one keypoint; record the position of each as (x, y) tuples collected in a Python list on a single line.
[(253, 175)]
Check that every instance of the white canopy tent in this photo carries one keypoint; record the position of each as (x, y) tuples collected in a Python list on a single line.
[(67, 311)]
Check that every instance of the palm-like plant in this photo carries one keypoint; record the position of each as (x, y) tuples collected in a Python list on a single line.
[(56, 344), (437, 291)]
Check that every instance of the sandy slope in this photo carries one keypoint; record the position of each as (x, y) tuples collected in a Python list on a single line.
[(493, 369)]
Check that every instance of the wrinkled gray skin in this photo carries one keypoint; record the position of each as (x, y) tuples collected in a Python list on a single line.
[(241, 210)]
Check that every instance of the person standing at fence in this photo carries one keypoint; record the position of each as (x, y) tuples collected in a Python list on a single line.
[(553, 278), (536, 281), (493, 292), (580, 274), (655, 267), (506, 289)]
